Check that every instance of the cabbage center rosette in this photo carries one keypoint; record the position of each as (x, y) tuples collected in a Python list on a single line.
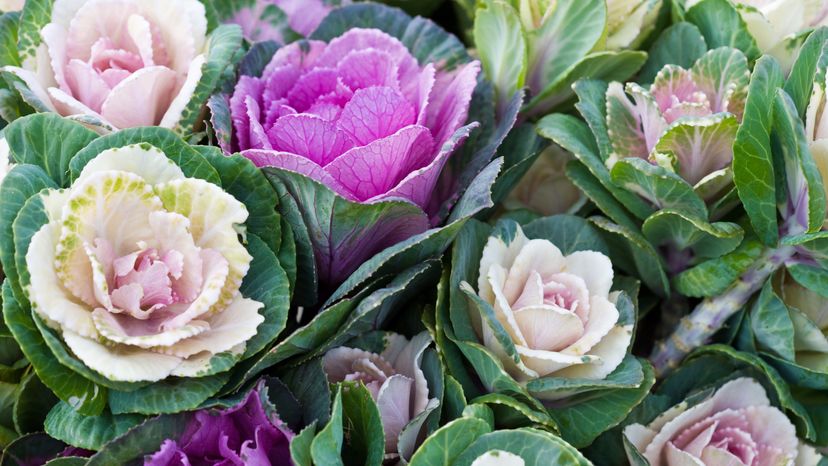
[(686, 121), (139, 267), (361, 117), (121, 64), (557, 310), (736, 425)]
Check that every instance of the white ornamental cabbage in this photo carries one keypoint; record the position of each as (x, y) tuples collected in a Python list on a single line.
[(557, 310), (138, 268)]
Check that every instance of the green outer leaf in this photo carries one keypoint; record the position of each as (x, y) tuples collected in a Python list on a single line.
[(663, 188), (721, 25), (426, 41), (535, 447), (90, 432), (224, 42), (795, 152), (771, 324), (606, 66), (305, 281), (365, 442), (573, 135), (20, 184), (34, 400), (809, 64), (629, 374), (712, 277), (681, 44), (592, 105), (510, 411), (170, 395), (48, 141), (31, 449), (445, 445), (799, 376), (500, 41), (813, 278), (568, 232), (35, 15), (193, 164), (707, 240), (646, 258), (301, 444), (563, 39), (326, 447), (309, 384), (753, 171), (9, 54), (593, 413)]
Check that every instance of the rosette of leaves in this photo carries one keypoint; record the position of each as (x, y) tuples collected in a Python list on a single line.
[(545, 372), (546, 46), (359, 225), (173, 86), (372, 405), (695, 383), (658, 159), (100, 401), (781, 189)]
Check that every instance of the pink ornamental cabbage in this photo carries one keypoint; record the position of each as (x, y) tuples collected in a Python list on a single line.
[(119, 63), (303, 16), (242, 435), (362, 117)]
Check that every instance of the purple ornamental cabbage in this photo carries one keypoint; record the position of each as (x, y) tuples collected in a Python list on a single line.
[(362, 117), (263, 19), (242, 435)]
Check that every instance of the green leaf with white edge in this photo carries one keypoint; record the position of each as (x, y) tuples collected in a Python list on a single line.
[(221, 121), (508, 411), (20, 184), (500, 41), (598, 194), (721, 25), (33, 448), (90, 432), (592, 105), (753, 171), (48, 141), (488, 318), (808, 67), (465, 267), (714, 364), (568, 232), (629, 374), (301, 444), (426, 41), (445, 445), (606, 66), (35, 15), (707, 240), (141, 439), (326, 447), (365, 442), (305, 281), (192, 163), (771, 324), (680, 44), (533, 447), (646, 259), (587, 416), (800, 168), (573, 135), (9, 54), (714, 276), (662, 188), (222, 46), (563, 39), (799, 376)]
